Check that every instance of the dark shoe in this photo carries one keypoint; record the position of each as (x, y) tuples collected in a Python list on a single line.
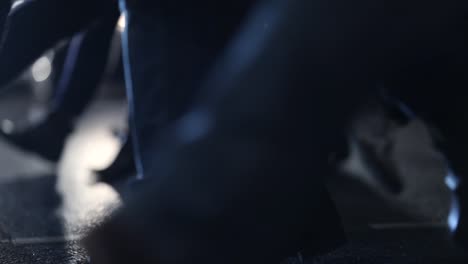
[(129, 187), (46, 138), (129, 238), (332, 233), (122, 168)]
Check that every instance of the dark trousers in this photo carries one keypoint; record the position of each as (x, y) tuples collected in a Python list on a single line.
[(84, 65), (169, 48)]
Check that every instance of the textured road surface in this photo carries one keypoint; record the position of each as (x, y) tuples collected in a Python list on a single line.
[(45, 208)]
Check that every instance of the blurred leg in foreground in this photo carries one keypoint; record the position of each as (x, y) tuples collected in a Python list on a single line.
[(239, 178), (168, 51)]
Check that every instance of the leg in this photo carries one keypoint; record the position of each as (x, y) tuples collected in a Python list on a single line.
[(164, 69), (239, 176), (84, 66), (26, 24)]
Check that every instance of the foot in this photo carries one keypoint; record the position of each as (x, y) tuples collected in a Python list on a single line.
[(122, 168), (46, 138), (120, 238)]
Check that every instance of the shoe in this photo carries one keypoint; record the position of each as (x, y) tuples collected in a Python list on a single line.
[(46, 138), (130, 236), (121, 168)]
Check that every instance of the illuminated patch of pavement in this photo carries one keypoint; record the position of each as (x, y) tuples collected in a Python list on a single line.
[(45, 210)]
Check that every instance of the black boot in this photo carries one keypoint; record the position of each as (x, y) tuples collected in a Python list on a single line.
[(122, 167), (46, 138)]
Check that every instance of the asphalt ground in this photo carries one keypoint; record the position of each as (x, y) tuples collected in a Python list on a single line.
[(45, 208)]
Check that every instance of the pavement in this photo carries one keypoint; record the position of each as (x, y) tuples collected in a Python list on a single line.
[(45, 208)]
